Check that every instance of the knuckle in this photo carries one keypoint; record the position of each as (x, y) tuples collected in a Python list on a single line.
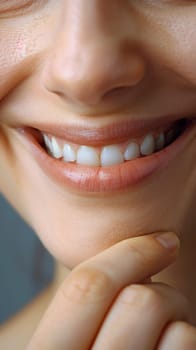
[(141, 296), (87, 285), (184, 305), (140, 254), (184, 332), (180, 301)]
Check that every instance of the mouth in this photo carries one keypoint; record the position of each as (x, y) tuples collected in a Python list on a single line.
[(108, 159)]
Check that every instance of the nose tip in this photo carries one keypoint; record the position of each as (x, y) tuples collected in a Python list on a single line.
[(90, 75)]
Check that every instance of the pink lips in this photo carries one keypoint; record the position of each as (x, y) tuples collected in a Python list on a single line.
[(112, 133), (105, 179)]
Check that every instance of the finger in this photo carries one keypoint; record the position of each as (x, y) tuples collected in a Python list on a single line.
[(80, 305), (139, 316), (178, 336)]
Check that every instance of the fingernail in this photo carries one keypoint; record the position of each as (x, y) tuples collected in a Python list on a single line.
[(168, 240)]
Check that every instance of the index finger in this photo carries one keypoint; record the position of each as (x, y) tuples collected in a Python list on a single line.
[(80, 305)]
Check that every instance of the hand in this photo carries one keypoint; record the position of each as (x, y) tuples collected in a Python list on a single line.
[(104, 304)]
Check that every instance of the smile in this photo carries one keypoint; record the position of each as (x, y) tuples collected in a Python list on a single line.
[(113, 154), (111, 159)]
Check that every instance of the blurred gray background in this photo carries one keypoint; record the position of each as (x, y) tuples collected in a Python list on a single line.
[(26, 268)]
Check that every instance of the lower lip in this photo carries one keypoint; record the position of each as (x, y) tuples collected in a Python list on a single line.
[(107, 179)]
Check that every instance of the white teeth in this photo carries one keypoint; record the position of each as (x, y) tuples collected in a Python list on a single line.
[(108, 155), (169, 136), (69, 155), (132, 151), (87, 156), (160, 142), (47, 141), (148, 145), (56, 150), (111, 155)]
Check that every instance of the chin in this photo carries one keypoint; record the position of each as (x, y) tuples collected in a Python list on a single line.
[(76, 234)]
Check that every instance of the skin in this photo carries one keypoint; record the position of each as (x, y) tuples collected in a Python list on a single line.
[(39, 63)]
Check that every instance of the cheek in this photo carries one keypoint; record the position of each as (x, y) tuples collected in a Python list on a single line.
[(170, 39), (21, 43), (12, 56), (181, 52)]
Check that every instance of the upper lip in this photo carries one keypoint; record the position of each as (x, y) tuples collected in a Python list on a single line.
[(118, 131)]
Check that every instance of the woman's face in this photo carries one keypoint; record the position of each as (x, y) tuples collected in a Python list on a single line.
[(102, 66)]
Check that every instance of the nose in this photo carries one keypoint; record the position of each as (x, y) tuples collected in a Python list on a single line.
[(94, 53)]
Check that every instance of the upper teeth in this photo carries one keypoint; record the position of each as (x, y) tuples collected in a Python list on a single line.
[(87, 156), (111, 155), (148, 145), (107, 155)]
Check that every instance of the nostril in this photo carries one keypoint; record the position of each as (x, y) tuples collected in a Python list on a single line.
[(87, 76), (117, 92)]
